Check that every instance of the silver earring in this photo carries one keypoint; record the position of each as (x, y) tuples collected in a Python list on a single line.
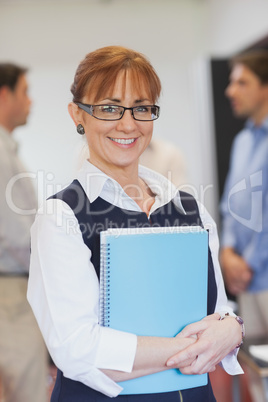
[(80, 129)]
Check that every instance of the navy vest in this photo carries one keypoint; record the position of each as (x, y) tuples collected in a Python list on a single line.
[(98, 216)]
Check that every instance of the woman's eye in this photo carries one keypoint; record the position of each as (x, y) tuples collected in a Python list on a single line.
[(109, 109), (142, 109)]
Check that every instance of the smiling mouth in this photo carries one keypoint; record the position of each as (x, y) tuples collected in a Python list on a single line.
[(123, 141)]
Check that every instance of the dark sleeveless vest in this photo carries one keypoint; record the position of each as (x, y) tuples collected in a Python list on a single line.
[(101, 215)]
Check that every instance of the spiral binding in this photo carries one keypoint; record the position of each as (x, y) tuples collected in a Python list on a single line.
[(105, 285)]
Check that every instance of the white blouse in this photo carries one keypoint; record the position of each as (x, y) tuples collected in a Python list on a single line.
[(63, 286)]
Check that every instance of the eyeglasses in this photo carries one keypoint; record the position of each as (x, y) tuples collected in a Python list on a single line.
[(114, 112)]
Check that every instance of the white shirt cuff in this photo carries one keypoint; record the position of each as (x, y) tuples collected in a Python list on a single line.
[(118, 348), (230, 363), (100, 382)]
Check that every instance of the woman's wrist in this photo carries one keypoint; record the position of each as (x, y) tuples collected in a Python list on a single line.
[(240, 321)]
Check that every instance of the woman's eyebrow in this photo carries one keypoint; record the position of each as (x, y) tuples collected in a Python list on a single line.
[(142, 100), (116, 100)]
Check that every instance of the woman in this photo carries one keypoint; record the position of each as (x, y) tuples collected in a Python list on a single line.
[(114, 95)]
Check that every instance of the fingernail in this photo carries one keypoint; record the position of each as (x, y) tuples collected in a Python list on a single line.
[(170, 363)]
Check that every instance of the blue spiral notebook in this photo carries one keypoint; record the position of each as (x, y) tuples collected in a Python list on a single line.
[(153, 282)]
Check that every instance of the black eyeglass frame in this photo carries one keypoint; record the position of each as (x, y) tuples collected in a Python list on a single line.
[(89, 109)]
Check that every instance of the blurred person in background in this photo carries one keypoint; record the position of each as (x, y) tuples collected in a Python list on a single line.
[(244, 205), (23, 356), (166, 159)]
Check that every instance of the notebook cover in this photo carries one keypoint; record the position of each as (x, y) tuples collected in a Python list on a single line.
[(154, 282)]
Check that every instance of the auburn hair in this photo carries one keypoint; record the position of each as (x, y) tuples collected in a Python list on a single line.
[(97, 73)]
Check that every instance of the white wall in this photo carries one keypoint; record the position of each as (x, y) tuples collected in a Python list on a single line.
[(51, 37), (236, 24)]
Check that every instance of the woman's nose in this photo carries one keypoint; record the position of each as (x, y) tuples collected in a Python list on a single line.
[(127, 123)]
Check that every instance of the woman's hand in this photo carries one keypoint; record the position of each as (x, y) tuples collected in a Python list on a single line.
[(215, 339)]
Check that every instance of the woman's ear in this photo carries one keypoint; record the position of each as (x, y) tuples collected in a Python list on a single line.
[(75, 113)]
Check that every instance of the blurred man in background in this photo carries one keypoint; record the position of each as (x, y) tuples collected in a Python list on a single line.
[(244, 206), (23, 356)]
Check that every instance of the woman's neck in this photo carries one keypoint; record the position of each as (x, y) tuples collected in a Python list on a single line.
[(132, 184)]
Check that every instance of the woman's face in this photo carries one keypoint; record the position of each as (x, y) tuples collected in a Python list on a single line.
[(118, 144)]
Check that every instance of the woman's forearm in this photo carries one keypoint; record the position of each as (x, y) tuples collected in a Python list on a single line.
[(151, 356)]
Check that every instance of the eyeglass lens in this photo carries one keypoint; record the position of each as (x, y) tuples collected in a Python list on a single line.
[(111, 112)]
